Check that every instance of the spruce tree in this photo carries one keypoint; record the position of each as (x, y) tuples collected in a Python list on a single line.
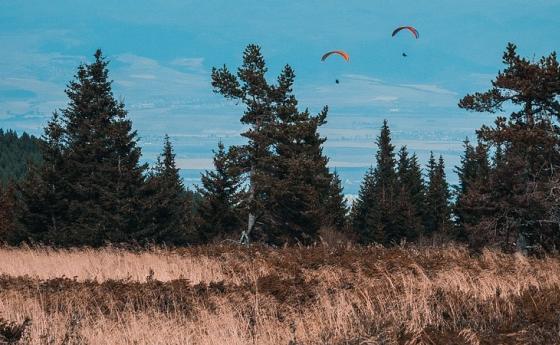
[(220, 212), (467, 170), (416, 186), (411, 198), (299, 178), (43, 210), (170, 219), (361, 207), (95, 174), (374, 217), (438, 213), (335, 209), (382, 221)]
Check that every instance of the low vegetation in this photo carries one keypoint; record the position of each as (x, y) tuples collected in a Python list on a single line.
[(261, 295)]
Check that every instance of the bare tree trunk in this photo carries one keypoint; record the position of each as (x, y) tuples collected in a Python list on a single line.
[(251, 221)]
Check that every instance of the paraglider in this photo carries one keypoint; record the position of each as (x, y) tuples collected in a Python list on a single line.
[(344, 55), (409, 28)]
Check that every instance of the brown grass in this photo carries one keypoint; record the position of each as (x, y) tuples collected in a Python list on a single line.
[(231, 295)]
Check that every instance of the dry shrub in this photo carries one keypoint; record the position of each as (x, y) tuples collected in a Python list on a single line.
[(259, 295), (12, 332)]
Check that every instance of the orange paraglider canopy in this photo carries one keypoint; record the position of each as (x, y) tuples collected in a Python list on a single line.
[(344, 55), (409, 28)]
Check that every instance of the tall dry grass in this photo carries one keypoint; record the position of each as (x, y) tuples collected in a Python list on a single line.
[(231, 295)]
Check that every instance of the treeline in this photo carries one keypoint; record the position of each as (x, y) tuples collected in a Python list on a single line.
[(91, 189), (396, 204)]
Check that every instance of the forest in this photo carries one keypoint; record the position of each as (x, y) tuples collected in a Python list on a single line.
[(82, 183)]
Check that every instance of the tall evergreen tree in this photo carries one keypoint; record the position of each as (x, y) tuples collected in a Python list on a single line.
[(411, 198), (44, 205), (288, 176), (438, 213), (416, 186), (375, 211), (361, 206), (95, 172), (251, 88), (335, 207), (170, 219), (382, 222), (220, 211), (299, 177), (473, 175), (515, 205), (467, 170)]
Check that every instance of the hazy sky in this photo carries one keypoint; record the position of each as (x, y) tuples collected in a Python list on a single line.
[(161, 54)]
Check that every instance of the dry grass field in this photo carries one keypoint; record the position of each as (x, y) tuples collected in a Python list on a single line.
[(257, 295)]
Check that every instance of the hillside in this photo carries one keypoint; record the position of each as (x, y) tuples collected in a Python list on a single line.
[(259, 295), (15, 153)]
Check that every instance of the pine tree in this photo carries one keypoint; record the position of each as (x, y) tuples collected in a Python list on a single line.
[(382, 221), (467, 170), (251, 88), (335, 207), (44, 204), (361, 206), (416, 186), (95, 173), (516, 203), (288, 174), (170, 209), (374, 217), (438, 214), (411, 198), (220, 211)]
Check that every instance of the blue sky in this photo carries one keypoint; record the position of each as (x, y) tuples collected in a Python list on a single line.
[(162, 52)]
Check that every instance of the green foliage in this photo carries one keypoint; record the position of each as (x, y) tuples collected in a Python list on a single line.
[(365, 201), (90, 188), (335, 207), (473, 175), (287, 172), (438, 210), (381, 220), (517, 202), (411, 196), (169, 208), (251, 88), (220, 210), (391, 202), (85, 185)]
